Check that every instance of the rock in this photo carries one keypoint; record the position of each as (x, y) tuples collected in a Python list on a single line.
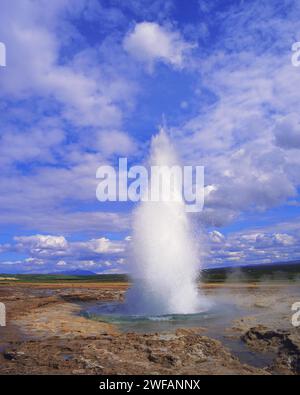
[(164, 359), (261, 337), (285, 345), (9, 355), (65, 342), (78, 371)]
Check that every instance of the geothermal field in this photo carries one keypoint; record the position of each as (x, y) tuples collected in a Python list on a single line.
[(167, 317), (149, 194), (75, 327)]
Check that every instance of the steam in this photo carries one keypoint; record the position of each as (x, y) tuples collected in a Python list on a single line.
[(165, 262)]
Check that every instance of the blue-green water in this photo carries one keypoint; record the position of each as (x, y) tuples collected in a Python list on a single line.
[(115, 313), (213, 322)]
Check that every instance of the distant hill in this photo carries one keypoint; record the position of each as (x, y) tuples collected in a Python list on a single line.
[(77, 272), (65, 278), (271, 271), (247, 273)]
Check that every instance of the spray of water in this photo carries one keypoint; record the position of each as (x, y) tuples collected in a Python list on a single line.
[(165, 262)]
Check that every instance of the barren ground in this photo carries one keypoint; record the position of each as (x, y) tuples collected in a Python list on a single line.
[(46, 335)]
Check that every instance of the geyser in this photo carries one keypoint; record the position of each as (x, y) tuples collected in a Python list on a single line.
[(165, 259)]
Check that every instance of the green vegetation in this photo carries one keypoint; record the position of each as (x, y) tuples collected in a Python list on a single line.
[(271, 272), (267, 272), (55, 278)]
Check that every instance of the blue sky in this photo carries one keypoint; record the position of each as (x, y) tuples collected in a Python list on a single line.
[(88, 81)]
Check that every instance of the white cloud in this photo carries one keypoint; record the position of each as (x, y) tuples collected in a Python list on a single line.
[(100, 246), (249, 162), (287, 132), (254, 246), (184, 104), (246, 132), (115, 270), (49, 248), (34, 261), (42, 244), (55, 86), (87, 95), (87, 264), (115, 142), (216, 237), (49, 253), (14, 147), (149, 42), (284, 239)]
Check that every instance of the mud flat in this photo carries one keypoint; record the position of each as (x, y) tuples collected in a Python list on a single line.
[(47, 335)]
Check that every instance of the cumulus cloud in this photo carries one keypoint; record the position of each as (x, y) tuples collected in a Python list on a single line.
[(34, 66), (55, 253), (44, 140), (67, 96), (54, 87), (287, 132), (55, 246), (115, 142), (276, 239), (252, 247), (34, 261), (42, 244), (149, 42), (246, 131), (61, 263), (216, 237)]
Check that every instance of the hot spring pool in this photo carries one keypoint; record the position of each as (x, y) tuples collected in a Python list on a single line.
[(213, 323), (216, 318)]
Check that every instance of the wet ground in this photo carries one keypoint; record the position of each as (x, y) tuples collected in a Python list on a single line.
[(78, 329), (227, 305)]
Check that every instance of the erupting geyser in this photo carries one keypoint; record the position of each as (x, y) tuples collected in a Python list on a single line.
[(165, 262)]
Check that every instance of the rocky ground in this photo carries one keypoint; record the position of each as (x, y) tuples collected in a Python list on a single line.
[(46, 335), (285, 344)]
